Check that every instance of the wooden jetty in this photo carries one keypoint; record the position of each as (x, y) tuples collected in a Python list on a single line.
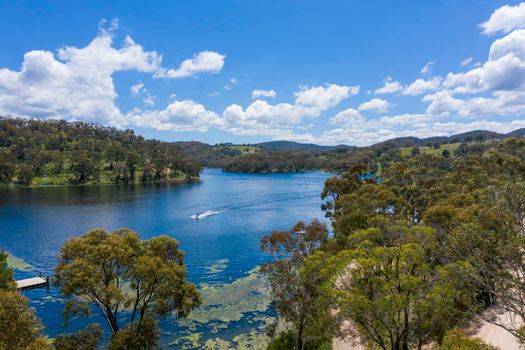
[(32, 283)]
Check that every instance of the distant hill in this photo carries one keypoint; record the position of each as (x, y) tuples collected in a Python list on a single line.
[(296, 146), (470, 136), (227, 153), (516, 133), (208, 153), (215, 155)]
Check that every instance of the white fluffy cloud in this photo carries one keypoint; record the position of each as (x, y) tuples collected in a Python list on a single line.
[(347, 118), (490, 95), (77, 83), (362, 132), (323, 97), (504, 69), (417, 87), (185, 115), (505, 19), (262, 118), (263, 93), (202, 62), (390, 86), (501, 103), (375, 104), (420, 86)]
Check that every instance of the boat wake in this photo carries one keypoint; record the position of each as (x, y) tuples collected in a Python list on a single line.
[(253, 203), (207, 213)]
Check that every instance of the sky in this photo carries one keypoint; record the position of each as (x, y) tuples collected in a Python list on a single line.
[(327, 72)]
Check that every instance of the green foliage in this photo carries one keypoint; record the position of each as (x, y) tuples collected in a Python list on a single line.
[(83, 168), (140, 335), (457, 340), (395, 296), (36, 152), (86, 339), (419, 250), (7, 167), (19, 327), (286, 341), (7, 281), (116, 271), (296, 290), (272, 162)]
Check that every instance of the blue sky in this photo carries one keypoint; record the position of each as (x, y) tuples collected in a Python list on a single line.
[(330, 72)]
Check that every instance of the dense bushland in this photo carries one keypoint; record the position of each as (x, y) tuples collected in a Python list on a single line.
[(416, 253), (36, 152)]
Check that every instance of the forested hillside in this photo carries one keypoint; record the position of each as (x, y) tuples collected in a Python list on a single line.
[(36, 152), (296, 146), (214, 156), (339, 158)]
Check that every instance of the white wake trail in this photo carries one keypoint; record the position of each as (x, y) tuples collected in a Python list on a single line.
[(207, 213)]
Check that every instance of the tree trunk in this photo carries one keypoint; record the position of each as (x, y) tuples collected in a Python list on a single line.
[(300, 342), (112, 320)]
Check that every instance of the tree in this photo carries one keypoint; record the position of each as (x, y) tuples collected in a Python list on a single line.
[(495, 244), (395, 298), (86, 339), (367, 206), (83, 168), (415, 151), (19, 327), (338, 186), (116, 271), (427, 245), (445, 153), (6, 273), (295, 291), (25, 175), (7, 167), (415, 182)]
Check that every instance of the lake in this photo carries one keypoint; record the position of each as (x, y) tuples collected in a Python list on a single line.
[(221, 245)]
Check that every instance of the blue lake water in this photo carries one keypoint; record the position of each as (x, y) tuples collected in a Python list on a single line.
[(222, 246)]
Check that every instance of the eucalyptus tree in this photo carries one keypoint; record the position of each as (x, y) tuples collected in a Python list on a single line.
[(19, 326), (295, 290), (124, 277), (390, 290)]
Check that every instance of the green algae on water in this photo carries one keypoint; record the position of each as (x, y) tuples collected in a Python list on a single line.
[(18, 263), (246, 298), (190, 341), (218, 266), (230, 301)]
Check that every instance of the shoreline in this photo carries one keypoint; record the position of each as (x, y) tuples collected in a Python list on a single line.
[(174, 181)]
